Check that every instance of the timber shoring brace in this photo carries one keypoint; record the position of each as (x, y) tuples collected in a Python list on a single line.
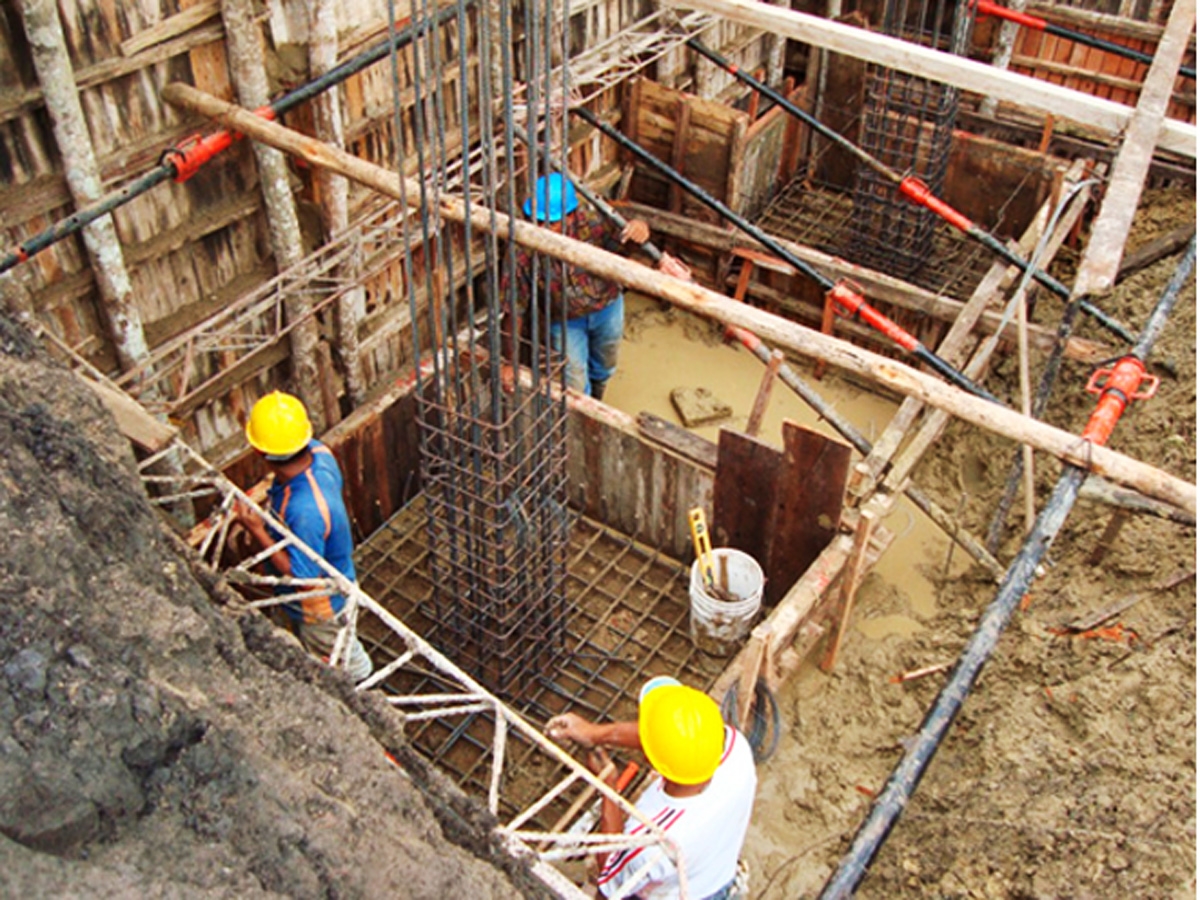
[(1149, 480), (1122, 384)]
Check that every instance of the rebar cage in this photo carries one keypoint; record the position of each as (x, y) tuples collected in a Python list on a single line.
[(495, 501), (907, 124)]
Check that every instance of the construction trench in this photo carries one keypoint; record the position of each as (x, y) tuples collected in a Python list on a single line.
[(524, 550)]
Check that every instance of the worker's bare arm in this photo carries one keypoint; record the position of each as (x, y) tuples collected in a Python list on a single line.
[(573, 727), (256, 526)]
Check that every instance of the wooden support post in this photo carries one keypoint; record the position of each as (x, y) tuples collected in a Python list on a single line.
[(851, 578), (828, 313), (679, 152), (52, 62), (243, 35), (1003, 55), (752, 667), (1111, 531), (1102, 259), (743, 282), (1103, 460), (334, 194), (754, 423)]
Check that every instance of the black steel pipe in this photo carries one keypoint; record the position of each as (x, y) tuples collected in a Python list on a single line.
[(907, 775), (1037, 23), (843, 295), (914, 190), (173, 160)]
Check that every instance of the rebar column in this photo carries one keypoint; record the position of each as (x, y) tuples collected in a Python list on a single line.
[(907, 124)]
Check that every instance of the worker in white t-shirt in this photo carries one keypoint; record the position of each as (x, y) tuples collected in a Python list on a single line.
[(702, 798)]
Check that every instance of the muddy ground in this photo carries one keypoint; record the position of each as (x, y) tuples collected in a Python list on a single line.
[(155, 742), (1070, 771)]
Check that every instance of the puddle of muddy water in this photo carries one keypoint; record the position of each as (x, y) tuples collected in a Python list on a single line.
[(665, 350)]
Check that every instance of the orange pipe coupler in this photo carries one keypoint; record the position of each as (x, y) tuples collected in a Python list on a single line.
[(1003, 12), (919, 193), (195, 151), (856, 305), (1117, 387)]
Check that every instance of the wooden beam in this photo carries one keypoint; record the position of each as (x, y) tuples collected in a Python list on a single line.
[(851, 579), (1152, 251), (1110, 231), (993, 417), (1021, 90)]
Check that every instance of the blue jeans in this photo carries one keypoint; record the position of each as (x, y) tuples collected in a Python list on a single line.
[(724, 892), (592, 345)]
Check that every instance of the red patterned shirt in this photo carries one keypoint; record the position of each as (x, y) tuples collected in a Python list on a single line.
[(585, 293)]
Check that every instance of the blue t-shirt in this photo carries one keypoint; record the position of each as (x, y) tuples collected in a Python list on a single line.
[(311, 505)]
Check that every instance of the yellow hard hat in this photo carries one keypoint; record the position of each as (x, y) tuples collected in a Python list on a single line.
[(278, 425), (681, 731)]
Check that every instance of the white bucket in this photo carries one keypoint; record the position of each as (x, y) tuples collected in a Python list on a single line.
[(720, 626)]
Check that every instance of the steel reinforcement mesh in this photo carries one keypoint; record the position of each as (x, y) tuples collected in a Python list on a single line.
[(626, 619), (907, 124)]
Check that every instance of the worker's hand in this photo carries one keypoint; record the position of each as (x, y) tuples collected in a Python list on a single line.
[(508, 378), (669, 265), (635, 230), (246, 516), (571, 727)]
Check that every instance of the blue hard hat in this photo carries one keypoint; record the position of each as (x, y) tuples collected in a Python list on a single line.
[(556, 198)]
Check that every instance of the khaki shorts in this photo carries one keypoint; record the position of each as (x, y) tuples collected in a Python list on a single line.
[(319, 639)]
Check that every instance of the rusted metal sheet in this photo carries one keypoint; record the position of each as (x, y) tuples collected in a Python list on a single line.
[(744, 493), (808, 506)]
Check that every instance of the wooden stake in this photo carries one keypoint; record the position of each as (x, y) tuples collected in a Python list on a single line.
[(828, 312), (751, 667), (754, 424), (1115, 524), (851, 578)]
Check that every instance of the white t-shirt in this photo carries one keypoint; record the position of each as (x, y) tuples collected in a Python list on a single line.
[(708, 828)]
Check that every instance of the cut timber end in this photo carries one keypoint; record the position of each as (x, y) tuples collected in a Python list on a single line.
[(697, 406)]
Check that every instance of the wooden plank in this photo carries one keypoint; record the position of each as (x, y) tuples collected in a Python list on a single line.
[(807, 510), (171, 27), (685, 443), (744, 492), (1110, 231), (851, 579), (132, 418), (1023, 91)]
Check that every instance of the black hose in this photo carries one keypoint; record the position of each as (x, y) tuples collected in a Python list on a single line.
[(763, 732)]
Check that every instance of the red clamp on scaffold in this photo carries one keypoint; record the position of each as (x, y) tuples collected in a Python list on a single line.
[(919, 193), (195, 151), (988, 8), (849, 297), (1117, 387)]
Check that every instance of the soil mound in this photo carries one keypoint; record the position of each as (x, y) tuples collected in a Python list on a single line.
[(157, 742)]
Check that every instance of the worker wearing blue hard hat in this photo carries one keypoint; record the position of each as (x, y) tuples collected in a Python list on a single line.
[(589, 332)]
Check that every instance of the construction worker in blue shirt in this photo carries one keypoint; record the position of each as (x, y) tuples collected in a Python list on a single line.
[(306, 495)]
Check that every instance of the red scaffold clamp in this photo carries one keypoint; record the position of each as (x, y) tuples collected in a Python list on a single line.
[(194, 151), (1118, 387)]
